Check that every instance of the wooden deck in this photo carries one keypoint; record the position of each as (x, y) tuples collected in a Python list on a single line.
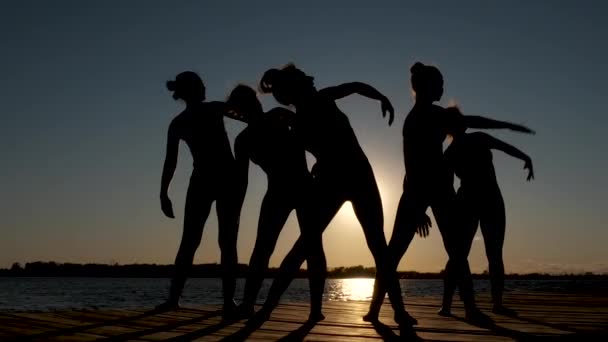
[(541, 317)]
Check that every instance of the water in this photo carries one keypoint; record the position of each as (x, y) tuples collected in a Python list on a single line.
[(44, 294)]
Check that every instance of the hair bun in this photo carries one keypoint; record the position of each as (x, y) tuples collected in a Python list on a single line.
[(171, 85), (269, 78), (417, 68)]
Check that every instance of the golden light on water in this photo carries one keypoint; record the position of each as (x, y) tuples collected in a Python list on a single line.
[(353, 289)]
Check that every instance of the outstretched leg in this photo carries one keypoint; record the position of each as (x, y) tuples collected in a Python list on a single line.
[(318, 208), (367, 205), (409, 208), (275, 210), (198, 206)]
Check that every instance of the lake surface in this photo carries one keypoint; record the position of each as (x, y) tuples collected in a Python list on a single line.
[(44, 294)]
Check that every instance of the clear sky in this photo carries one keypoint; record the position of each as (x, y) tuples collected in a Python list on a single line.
[(84, 114)]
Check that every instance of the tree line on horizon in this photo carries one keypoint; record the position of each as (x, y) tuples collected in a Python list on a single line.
[(54, 269)]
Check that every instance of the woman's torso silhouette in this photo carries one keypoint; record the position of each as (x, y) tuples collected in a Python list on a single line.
[(471, 160), (202, 129), (423, 135), (326, 133), (273, 146)]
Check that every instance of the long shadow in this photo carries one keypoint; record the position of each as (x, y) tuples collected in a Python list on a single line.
[(601, 335), (203, 332), (252, 325), (502, 331), (81, 328), (136, 334), (387, 333), (556, 326), (300, 333)]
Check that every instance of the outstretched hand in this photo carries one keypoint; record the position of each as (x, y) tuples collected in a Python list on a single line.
[(388, 107), (166, 206), (522, 129), (528, 166), (423, 226)]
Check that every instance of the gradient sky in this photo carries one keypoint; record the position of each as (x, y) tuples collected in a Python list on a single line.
[(85, 113)]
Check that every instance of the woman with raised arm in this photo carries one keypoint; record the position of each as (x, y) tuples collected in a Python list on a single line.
[(480, 201), (201, 126), (268, 142), (342, 173), (429, 183)]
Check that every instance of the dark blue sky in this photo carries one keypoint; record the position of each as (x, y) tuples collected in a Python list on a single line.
[(85, 112)]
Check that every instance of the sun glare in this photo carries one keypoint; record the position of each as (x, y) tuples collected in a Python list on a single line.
[(354, 289), (389, 193)]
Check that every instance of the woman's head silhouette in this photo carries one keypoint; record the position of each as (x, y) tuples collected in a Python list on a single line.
[(427, 82), (243, 100), (187, 86), (288, 85)]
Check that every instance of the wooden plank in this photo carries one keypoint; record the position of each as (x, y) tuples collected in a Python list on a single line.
[(540, 315)]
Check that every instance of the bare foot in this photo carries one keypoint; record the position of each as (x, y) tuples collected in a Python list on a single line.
[(371, 317), (445, 312), (245, 310), (475, 316), (406, 319), (168, 306), (229, 311), (316, 317), (502, 310)]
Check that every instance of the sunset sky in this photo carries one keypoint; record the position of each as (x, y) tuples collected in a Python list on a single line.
[(84, 114)]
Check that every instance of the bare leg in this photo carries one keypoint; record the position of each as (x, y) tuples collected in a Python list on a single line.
[(493, 224), (469, 221), (367, 205), (456, 239), (318, 209), (403, 234), (228, 228), (196, 213), (273, 215)]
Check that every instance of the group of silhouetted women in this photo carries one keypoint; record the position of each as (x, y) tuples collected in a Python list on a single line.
[(277, 141)]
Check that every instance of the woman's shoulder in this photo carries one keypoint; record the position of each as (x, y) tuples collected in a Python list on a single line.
[(179, 120)]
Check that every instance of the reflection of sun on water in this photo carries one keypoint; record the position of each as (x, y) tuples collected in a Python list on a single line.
[(354, 289)]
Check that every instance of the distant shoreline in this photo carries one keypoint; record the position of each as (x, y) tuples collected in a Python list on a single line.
[(53, 269)]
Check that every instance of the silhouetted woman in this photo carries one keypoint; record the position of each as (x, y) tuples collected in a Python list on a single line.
[(269, 143), (429, 183), (201, 126), (479, 200), (341, 173)]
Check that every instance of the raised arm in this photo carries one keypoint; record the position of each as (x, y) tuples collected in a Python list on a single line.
[(226, 111), (473, 121), (169, 169), (513, 151), (241, 156), (362, 89)]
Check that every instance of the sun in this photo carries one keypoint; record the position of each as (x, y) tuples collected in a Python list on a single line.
[(346, 216)]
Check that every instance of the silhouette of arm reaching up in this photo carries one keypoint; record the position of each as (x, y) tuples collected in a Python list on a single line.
[(169, 169), (241, 156), (362, 89), (497, 144)]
